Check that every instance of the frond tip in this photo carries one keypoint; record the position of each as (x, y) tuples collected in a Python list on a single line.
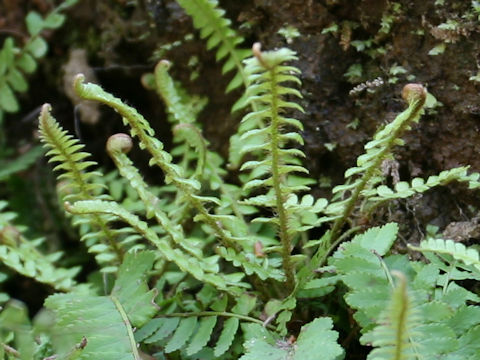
[(393, 338)]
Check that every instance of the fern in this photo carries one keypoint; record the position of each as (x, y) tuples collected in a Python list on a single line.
[(397, 326), (368, 276), (190, 332), (418, 185), (193, 147), (316, 337), (16, 62), (173, 173), (15, 322), (66, 150), (452, 252), (209, 18), (20, 163), (23, 256), (266, 76), (377, 150), (86, 315)]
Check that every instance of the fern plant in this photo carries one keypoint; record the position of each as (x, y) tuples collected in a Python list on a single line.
[(226, 298), (207, 269)]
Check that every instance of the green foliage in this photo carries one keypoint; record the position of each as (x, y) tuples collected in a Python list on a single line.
[(398, 324), (244, 264), (315, 338), (20, 163), (100, 238), (266, 77), (23, 255), (176, 331), (86, 315), (16, 63), (419, 318), (209, 19)]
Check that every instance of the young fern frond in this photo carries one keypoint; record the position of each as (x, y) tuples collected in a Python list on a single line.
[(167, 90), (67, 151), (376, 151), (393, 338), (22, 255), (267, 77), (140, 128), (187, 131), (210, 20), (117, 147)]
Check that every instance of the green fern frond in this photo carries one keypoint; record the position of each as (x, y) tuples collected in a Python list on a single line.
[(20, 163), (399, 324), (363, 272), (15, 323), (369, 163), (187, 131), (266, 78), (140, 128), (87, 316), (209, 18), (118, 146), (451, 252), (201, 270), (82, 185), (418, 185), (365, 268), (193, 330), (22, 255), (167, 90)]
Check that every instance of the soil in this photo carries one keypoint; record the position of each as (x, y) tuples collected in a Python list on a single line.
[(123, 39)]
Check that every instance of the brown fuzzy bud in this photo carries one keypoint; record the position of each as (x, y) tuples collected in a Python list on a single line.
[(414, 92), (119, 143)]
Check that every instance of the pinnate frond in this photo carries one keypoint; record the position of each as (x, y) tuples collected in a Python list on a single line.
[(74, 168), (209, 18)]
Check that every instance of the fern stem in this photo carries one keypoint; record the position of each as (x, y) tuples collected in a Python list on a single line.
[(402, 316), (131, 338), (277, 185)]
